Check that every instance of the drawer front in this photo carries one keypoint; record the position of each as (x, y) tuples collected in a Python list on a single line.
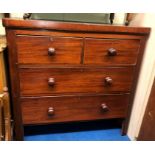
[(111, 52), (48, 81), (48, 50), (65, 109)]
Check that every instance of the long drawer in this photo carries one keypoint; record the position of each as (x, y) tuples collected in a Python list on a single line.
[(48, 50), (73, 108), (48, 81), (111, 52)]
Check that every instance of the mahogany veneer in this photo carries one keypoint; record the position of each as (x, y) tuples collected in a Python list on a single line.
[(38, 49), (65, 72), (35, 81), (97, 51), (73, 108)]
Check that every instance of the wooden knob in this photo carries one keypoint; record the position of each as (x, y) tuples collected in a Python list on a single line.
[(112, 52), (50, 111), (51, 81), (104, 107), (108, 81), (51, 51)]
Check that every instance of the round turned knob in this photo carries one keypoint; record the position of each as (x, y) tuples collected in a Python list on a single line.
[(104, 107), (108, 80), (50, 111), (112, 52), (51, 51), (51, 81)]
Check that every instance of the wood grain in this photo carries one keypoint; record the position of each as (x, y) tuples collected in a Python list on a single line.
[(34, 49), (14, 86), (94, 35), (135, 80), (34, 81), (96, 51), (148, 126), (70, 84), (71, 26), (72, 108)]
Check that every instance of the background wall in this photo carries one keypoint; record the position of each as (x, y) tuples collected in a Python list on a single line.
[(13, 15), (2, 31), (146, 75)]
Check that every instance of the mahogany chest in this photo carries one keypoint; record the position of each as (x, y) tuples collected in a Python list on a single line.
[(66, 72)]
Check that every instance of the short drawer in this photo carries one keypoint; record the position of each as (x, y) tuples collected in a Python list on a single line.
[(72, 108), (48, 81), (48, 50), (111, 52)]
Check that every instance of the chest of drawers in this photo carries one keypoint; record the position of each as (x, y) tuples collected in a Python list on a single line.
[(66, 72)]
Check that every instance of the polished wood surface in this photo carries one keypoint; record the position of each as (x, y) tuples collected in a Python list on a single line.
[(74, 27), (34, 82), (135, 81), (6, 116), (148, 124), (37, 49), (73, 108), (14, 82), (1, 120), (63, 72), (2, 63), (93, 35), (5, 113), (111, 51)]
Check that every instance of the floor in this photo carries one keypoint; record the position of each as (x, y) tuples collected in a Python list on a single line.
[(84, 131)]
